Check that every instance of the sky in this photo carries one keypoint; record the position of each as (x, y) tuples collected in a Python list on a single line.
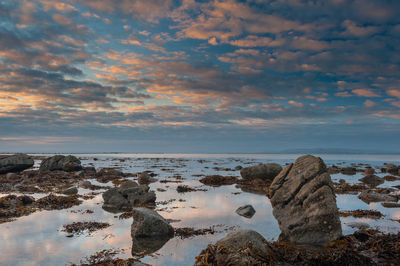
[(186, 76)]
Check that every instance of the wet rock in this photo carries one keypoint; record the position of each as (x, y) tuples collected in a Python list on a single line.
[(60, 162), (70, 191), (237, 168), (85, 184), (369, 171), (374, 196), (89, 169), (372, 180), (218, 180), (15, 163), (348, 170), (304, 202), (148, 223), (261, 171), (128, 195), (390, 204), (244, 247), (239, 239), (145, 178), (11, 176), (246, 211), (394, 170)]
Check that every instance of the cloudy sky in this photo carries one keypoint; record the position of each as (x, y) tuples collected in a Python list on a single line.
[(199, 76)]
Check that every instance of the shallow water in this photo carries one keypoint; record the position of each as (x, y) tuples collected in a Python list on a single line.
[(37, 240)]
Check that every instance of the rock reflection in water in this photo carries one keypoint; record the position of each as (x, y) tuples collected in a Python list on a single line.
[(146, 245)]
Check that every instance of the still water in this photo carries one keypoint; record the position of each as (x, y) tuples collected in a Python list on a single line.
[(37, 240)]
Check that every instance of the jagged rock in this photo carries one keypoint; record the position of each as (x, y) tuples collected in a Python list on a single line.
[(70, 191), (372, 180), (261, 171), (15, 163), (246, 211), (304, 202), (128, 195), (148, 223), (60, 162)]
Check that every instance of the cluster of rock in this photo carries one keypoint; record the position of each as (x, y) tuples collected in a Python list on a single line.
[(304, 203), (128, 195)]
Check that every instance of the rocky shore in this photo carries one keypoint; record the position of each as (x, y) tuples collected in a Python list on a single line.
[(302, 195)]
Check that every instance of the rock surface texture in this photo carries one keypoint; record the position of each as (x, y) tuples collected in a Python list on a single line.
[(15, 163), (128, 195), (60, 162), (261, 171), (148, 223), (304, 202)]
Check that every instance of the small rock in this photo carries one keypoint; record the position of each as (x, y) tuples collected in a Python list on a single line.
[(11, 176), (145, 178), (390, 204), (85, 184), (237, 168), (369, 171), (148, 223), (348, 170), (70, 191), (261, 171), (246, 211), (372, 180)]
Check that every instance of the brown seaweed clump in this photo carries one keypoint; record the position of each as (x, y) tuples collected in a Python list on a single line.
[(364, 247), (186, 232), (53, 202), (373, 214), (13, 206), (218, 180), (344, 188), (106, 257), (78, 228)]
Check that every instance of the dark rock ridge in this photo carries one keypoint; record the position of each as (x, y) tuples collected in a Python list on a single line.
[(304, 202), (128, 195), (60, 162), (261, 171), (15, 163)]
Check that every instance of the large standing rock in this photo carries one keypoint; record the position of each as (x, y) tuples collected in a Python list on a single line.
[(261, 171), (60, 162), (15, 163), (148, 223), (304, 202), (126, 196)]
